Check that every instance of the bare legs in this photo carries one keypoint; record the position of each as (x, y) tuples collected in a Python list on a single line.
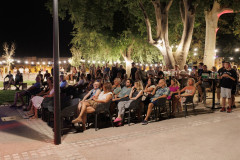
[(149, 111)]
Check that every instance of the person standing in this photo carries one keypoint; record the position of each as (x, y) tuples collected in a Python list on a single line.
[(220, 73), (133, 71), (228, 80), (122, 70), (115, 70)]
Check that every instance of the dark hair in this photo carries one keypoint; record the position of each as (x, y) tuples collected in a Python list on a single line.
[(131, 82), (89, 77), (195, 67), (227, 62), (201, 64), (51, 79), (152, 81)]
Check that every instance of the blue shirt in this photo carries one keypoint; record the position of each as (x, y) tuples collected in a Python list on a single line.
[(124, 91), (63, 84), (161, 92)]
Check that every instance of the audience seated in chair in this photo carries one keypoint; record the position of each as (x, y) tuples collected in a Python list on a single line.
[(136, 92), (7, 84), (161, 91), (90, 106), (36, 101)]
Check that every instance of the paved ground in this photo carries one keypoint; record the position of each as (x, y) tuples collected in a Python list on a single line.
[(213, 135)]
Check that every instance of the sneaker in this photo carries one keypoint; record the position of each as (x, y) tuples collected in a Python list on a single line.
[(223, 109), (117, 120), (144, 122), (229, 110)]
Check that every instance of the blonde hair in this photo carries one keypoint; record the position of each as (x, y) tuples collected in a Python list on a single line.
[(139, 85), (176, 82), (192, 81)]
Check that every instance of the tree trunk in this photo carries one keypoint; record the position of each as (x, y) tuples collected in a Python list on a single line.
[(187, 11), (211, 18), (127, 57)]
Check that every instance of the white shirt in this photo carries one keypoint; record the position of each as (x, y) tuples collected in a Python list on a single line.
[(103, 96)]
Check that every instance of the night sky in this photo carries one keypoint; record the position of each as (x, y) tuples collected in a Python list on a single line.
[(29, 25)]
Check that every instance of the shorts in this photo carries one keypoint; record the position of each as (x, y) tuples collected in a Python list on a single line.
[(155, 102), (226, 92), (93, 103)]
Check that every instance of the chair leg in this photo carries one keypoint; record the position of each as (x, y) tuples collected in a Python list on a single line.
[(185, 110), (96, 122), (110, 116), (129, 111)]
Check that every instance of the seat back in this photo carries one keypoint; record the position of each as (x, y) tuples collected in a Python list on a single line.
[(189, 99), (102, 107)]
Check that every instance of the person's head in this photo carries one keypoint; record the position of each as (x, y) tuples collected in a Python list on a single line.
[(106, 65), (121, 66), (82, 76), (46, 71), (128, 83), (89, 77), (119, 75), (214, 69), (227, 65), (107, 87), (174, 82), (162, 83), (133, 64), (138, 85), (143, 67), (185, 67), (50, 80), (150, 76), (204, 67), (223, 63), (96, 85), (117, 81), (106, 77), (191, 82), (150, 81), (39, 72), (235, 67), (194, 68), (200, 65), (61, 77), (150, 67), (176, 67), (116, 65), (18, 72), (38, 79), (9, 72)]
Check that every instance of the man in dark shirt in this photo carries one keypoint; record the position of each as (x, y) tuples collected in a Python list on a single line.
[(220, 73), (7, 84), (122, 70), (133, 71), (18, 80), (114, 71), (228, 77), (200, 69), (33, 90)]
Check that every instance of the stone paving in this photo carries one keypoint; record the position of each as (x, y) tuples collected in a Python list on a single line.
[(32, 139)]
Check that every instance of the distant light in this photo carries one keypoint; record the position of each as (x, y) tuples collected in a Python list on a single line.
[(176, 46), (43, 63), (38, 62), (195, 49), (60, 62), (110, 62), (146, 64), (49, 62), (231, 58), (18, 61), (64, 61), (99, 62), (151, 65), (195, 54), (237, 50), (155, 65), (140, 64), (172, 46), (136, 63), (216, 50), (115, 62), (32, 62), (26, 62), (93, 62), (103, 62), (88, 61), (0, 62), (69, 61)]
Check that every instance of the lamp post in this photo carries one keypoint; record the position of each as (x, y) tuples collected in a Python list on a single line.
[(57, 122)]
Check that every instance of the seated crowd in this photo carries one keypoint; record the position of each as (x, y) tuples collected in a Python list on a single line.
[(103, 85)]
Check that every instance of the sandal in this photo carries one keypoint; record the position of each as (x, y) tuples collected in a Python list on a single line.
[(117, 120)]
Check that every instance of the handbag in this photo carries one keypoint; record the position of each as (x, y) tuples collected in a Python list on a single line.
[(145, 95)]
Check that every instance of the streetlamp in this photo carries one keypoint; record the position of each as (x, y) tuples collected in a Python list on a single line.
[(57, 122)]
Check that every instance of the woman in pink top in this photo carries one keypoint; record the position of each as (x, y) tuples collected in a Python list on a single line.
[(174, 89)]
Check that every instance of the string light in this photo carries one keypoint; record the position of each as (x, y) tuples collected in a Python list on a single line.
[(26, 62), (195, 49)]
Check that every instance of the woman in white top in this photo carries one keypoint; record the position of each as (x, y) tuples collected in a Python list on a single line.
[(37, 100), (91, 105)]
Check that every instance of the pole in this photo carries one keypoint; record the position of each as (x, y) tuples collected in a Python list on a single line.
[(57, 122)]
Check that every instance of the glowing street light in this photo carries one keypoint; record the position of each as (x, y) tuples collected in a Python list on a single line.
[(38, 62), (64, 61), (43, 63), (231, 58), (18, 61), (195, 54), (237, 50), (216, 50), (195, 49), (26, 62), (32, 62)]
